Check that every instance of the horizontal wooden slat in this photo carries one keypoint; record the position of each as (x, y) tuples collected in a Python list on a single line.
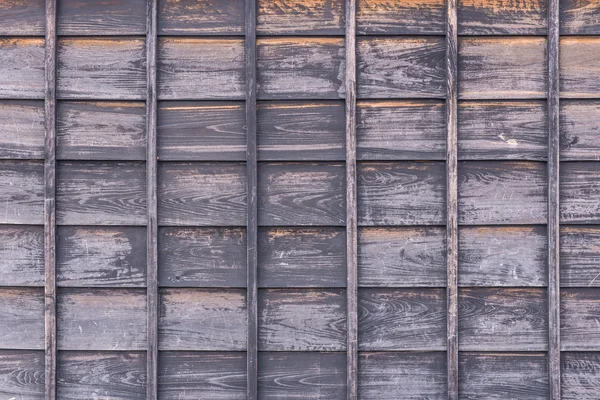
[(501, 130), (401, 319), (580, 67), (201, 131), (580, 130), (101, 68), (102, 193), (101, 256), (579, 17), (301, 257), (22, 18), (21, 255), (301, 194), (22, 193), (579, 194), (21, 68), (101, 319), (382, 17), (301, 131), (302, 320), (580, 256), (203, 194), (401, 193), (580, 313), (21, 129), (204, 17), (580, 376), (401, 67), (502, 68), (201, 375), (400, 130), (503, 376), (402, 257), (202, 257), (22, 374), (499, 17), (119, 17), (300, 17), (202, 319), (502, 319), (22, 318)]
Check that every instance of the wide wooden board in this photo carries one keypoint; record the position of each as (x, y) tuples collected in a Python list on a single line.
[(579, 17), (85, 18), (580, 130), (580, 256), (580, 67), (579, 196), (21, 255), (580, 313), (580, 376), (22, 18), (499, 17), (200, 17), (21, 129), (300, 17), (22, 374), (22, 318), (22, 193), (21, 68), (400, 17)]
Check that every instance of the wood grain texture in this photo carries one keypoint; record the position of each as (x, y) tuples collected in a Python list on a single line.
[(21, 255), (418, 17), (503, 319), (510, 256), (22, 318), (202, 257), (204, 17), (101, 375), (502, 192), (101, 193), (502, 130), (21, 68), (302, 320), (580, 256), (301, 131), (401, 193), (200, 69), (100, 131), (498, 17), (22, 193), (201, 131), (401, 130), (579, 17), (101, 256), (300, 17), (302, 376), (120, 17), (580, 377), (22, 18), (101, 68), (21, 129), (301, 257), (101, 319), (579, 196), (204, 194), (22, 374), (503, 376), (502, 68), (401, 257), (579, 130), (401, 319), (580, 67), (300, 68), (202, 319), (402, 375), (206, 375), (580, 313), (400, 67), (301, 194)]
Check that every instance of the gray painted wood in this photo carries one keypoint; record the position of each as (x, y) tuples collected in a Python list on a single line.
[(298, 17), (22, 68), (21, 129), (579, 310), (22, 318), (579, 130), (22, 374), (579, 197), (580, 375), (22, 18), (22, 193), (21, 255), (579, 258), (578, 77), (377, 17), (120, 17), (206, 17), (579, 17), (496, 17)]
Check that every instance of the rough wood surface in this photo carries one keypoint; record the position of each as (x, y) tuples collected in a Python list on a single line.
[(580, 256), (22, 18), (22, 318), (499, 17), (579, 196), (22, 193), (22, 374), (579, 67), (117, 17), (418, 17), (579, 17), (21, 255), (205, 17), (580, 377), (21, 129), (300, 17), (580, 312), (21, 68), (580, 130)]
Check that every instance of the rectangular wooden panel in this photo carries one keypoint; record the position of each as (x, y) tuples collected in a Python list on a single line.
[(580, 130), (301, 257), (101, 319), (499, 17), (401, 193), (21, 129), (579, 17), (101, 68), (22, 374), (579, 67), (401, 130), (201, 375), (401, 67), (300, 17), (202, 319), (502, 130), (21, 68), (301, 194), (580, 313), (200, 17), (84, 18), (301, 131), (302, 320), (203, 194), (580, 256), (579, 194), (100, 130), (101, 256), (22, 18), (21, 255), (22, 318), (101, 193), (22, 193), (502, 68), (201, 131), (580, 375), (502, 319), (202, 257), (384, 17), (402, 257)]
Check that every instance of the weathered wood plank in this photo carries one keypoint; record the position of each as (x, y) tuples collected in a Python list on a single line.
[(22, 18), (202, 257), (301, 257), (301, 131), (401, 67), (202, 319), (501, 130), (101, 193), (401, 319), (302, 320), (101, 68), (21, 68), (401, 130), (502, 192), (204, 17), (301, 194), (201, 131), (21, 129), (579, 17), (418, 17), (22, 374), (580, 256), (22, 318), (579, 195), (120, 17), (22, 193), (503, 319), (300, 17), (205, 194), (101, 319), (580, 376), (579, 67), (498, 17), (401, 193), (502, 68), (101, 256), (580, 312), (402, 257), (580, 130), (201, 375), (21, 255)]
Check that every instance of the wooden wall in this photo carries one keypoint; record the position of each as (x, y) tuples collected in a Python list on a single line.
[(111, 260)]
